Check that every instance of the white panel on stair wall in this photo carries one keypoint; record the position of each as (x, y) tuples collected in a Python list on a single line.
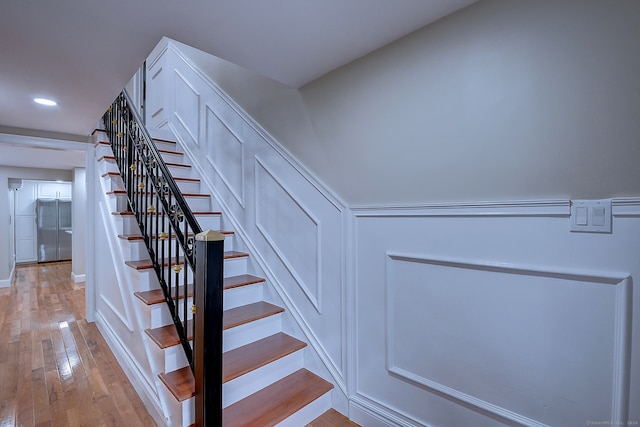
[(504, 336), (225, 153), (187, 107), (291, 230), (495, 319)]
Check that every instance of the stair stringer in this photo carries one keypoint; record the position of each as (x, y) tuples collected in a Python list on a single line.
[(317, 359), (145, 380)]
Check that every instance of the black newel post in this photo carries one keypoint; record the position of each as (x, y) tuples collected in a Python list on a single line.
[(209, 252)]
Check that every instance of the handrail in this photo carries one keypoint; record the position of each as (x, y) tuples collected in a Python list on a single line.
[(167, 223), (174, 238)]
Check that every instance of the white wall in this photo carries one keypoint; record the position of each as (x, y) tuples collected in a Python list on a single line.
[(79, 221), (6, 172), (456, 313), (502, 100)]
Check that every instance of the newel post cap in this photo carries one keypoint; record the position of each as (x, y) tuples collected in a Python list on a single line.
[(209, 236)]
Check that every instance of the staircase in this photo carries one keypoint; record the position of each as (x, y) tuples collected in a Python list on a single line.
[(265, 382)]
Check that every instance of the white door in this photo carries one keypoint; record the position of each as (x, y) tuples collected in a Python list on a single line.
[(26, 232)]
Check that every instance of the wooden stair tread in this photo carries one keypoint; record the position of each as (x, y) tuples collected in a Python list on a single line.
[(167, 336), (156, 296), (146, 264), (248, 313), (241, 280), (139, 236), (198, 213), (113, 158), (277, 401), (107, 143), (124, 192), (180, 383), (252, 356), (175, 178), (332, 418)]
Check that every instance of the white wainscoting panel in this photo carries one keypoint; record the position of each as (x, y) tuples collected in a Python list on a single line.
[(291, 230), (227, 154), (187, 106), (489, 320)]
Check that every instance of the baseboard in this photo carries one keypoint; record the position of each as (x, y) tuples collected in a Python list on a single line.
[(77, 278), (134, 374), (5, 283)]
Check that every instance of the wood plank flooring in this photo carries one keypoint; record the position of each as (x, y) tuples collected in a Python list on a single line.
[(55, 368)]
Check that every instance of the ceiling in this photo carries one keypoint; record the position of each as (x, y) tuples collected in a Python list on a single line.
[(81, 53)]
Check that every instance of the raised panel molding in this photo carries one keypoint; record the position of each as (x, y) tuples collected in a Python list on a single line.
[(412, 277), (226, 154), (187, 106), (280, 213)]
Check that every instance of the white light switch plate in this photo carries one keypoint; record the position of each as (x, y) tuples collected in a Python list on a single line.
[(591, 216)]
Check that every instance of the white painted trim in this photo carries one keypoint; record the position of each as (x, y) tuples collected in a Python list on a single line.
[(41, 142), (175, 112), (626, 207), (135, 374), (622, 336), (5, 283), (78, 278), (90, 230), (117, 312), (548, 208)]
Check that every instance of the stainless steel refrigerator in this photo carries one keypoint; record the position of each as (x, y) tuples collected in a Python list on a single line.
[(54, 230)]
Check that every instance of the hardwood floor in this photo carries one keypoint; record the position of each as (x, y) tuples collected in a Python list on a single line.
[(55, 368)]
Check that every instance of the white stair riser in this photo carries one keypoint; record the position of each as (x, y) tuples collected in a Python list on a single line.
[(235, 266), (243, 295), (133, 250), (172, 157), (188, 186), (228, 246), (251, 382), (174, 358), (163, 145), (196, 203), (129, 224), (250, 332), (180, 172)]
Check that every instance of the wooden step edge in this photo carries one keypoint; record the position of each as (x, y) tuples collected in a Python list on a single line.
[(167, 336), (156, 296), (146, 264), (110, 159), (249, 313), (198, 213), (175, 178), (257, 354), (108, 144), (332, 418), (180, 383), (278, 401), (124, 193), (241, 280), (132, 237)]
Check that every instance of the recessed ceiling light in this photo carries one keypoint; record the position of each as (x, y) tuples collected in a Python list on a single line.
[(45, 101)]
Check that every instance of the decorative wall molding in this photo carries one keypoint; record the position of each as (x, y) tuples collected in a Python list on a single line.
[(224, 169), (626, 207), (189, 119), (313, 290), (119, 315), (547, 208), (622, 321)]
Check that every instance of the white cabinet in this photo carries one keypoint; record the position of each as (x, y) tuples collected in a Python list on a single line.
[(25, 200), (54, 190)]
